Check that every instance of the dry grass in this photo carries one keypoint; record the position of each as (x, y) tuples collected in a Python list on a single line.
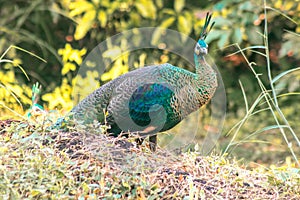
[(36, 164)]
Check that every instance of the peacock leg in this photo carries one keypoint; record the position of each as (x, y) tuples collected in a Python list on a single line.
[(152, 142)]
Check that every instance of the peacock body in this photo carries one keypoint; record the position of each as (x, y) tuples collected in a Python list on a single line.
[(151, 99)]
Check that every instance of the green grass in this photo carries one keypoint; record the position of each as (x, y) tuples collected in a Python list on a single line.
[(54, 165), (266, 100)]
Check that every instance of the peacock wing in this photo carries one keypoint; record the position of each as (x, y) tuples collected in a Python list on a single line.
[(142, 102)]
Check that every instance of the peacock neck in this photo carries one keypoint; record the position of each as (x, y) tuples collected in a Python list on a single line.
[(206, 76)]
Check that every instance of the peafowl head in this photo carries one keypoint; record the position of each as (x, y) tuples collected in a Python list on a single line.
[(201, 47)]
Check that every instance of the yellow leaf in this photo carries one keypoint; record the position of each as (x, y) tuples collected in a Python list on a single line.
[(96, 1), (117, 70), (159, 3), (102, 18), (288, 5), (178, 5), (81, 30), (68, 67), (157, 33), (79, 7), (146, 8), (17, 62), (278, 4), (65, 53), (185, 24), (47, 97), (84, 24), (168, 22), (75, 56)]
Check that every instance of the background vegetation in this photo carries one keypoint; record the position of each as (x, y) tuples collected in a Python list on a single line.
[(62, 32)]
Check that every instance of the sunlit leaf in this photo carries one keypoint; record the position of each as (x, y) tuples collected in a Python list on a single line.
[(68, 67), (168, 11), (167, 23), (185, 24), (179, 5), (102, 17), (120, 67), (79, 7), (157, 33), (289, 5), (85, 24), (146, 8), (159, 3)]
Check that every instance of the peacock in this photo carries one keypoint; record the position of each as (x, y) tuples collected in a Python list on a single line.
[(151, 99)]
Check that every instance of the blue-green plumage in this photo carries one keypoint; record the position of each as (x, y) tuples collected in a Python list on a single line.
[(149, 98), (153, 98)]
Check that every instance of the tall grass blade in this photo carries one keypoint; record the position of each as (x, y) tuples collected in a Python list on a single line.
[(279, 76)]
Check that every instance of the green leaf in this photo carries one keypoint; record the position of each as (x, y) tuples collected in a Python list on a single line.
[(291, 46), (179, 5), (224, 39), (237, 35), (247, 6), (221, 22), (253, 35), (219, 6), (214, 35)]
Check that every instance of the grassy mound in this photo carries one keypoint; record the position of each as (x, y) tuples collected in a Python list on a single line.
[(36, 164)]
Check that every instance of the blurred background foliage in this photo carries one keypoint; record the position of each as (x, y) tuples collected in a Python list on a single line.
[(63, 32)]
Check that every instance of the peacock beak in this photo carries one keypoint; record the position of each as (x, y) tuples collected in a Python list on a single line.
[(204, 50)]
